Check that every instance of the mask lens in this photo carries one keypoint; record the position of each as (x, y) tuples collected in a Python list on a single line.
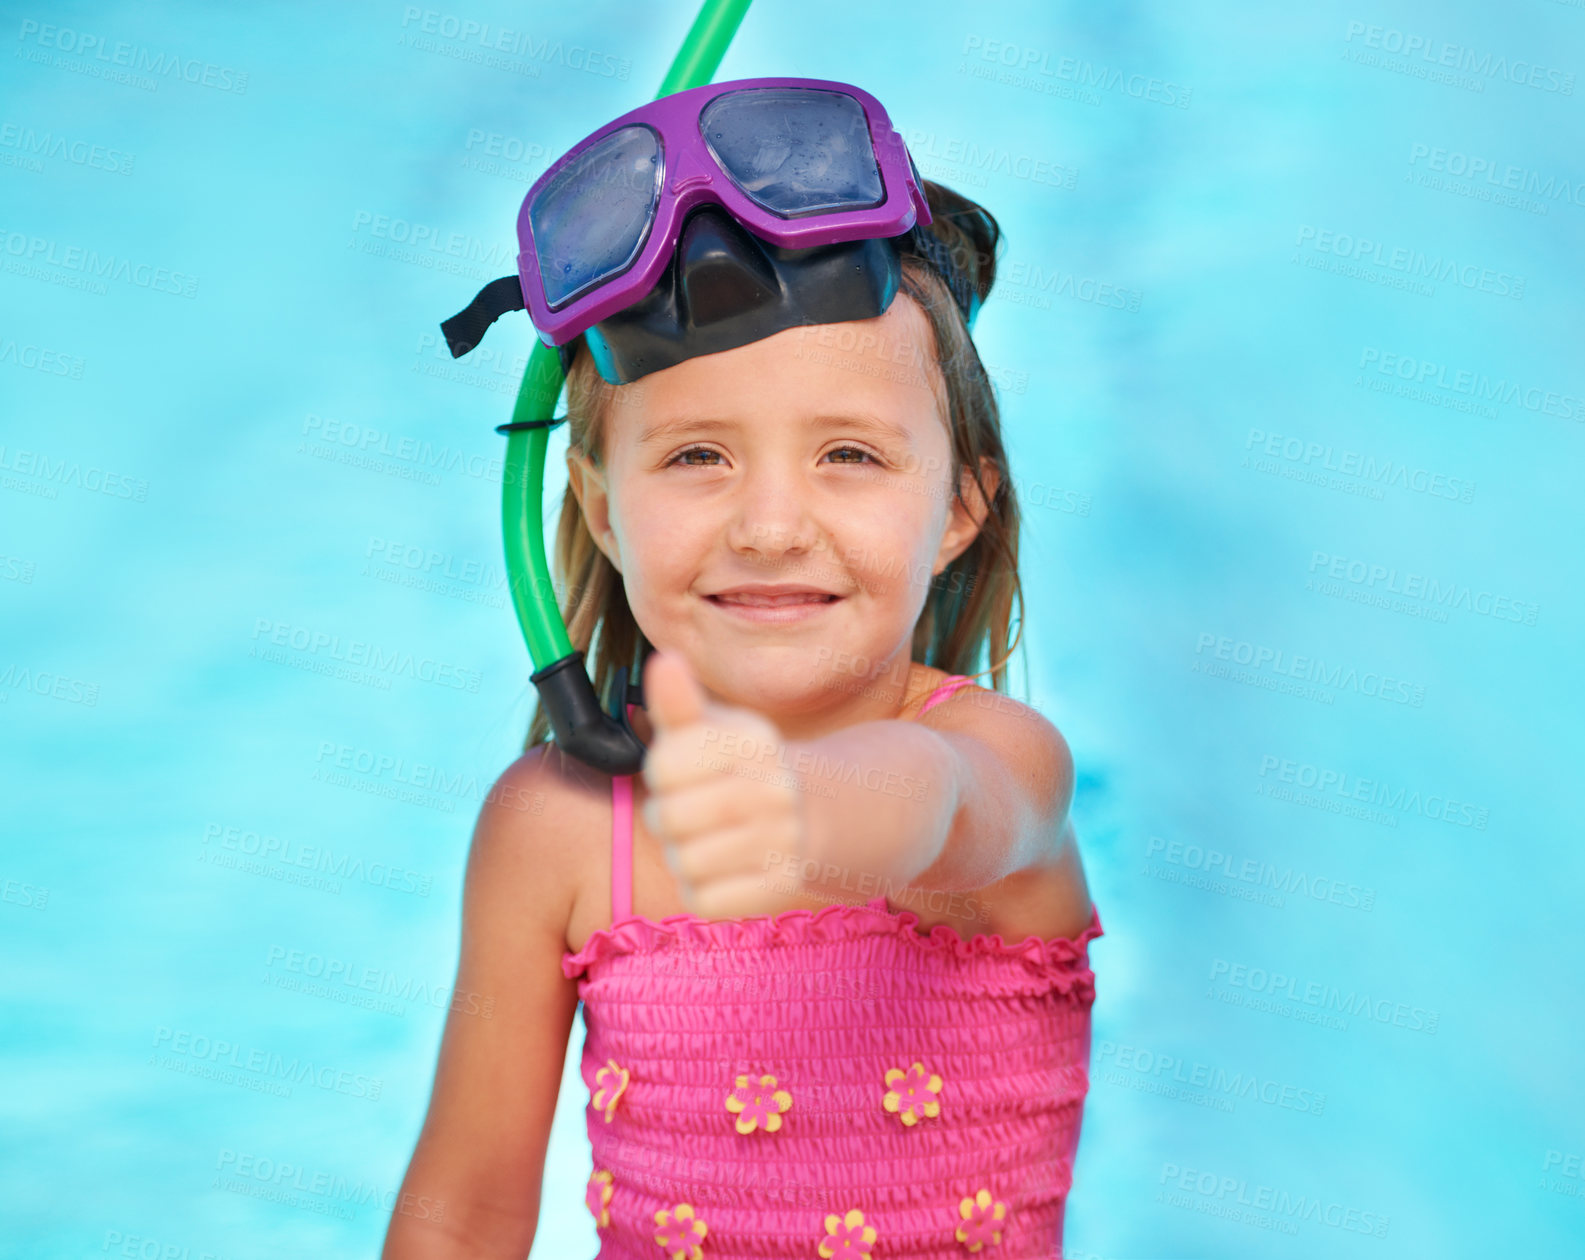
[(794, 151), (590, 222)]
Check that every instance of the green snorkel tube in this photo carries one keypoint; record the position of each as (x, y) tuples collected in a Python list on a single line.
[(581, 728)]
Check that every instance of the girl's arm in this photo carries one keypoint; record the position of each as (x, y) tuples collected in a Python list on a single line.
[(481, 1153), (981, 793)]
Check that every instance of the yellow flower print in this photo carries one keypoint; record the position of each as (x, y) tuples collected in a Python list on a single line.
[(983, 1216), (847, 1237), (912, 1094), (609, 1084), (757, 1104), (597, 1197), (680, 1232)]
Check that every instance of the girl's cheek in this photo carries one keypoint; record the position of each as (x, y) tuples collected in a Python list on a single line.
[(670, 556), (884, 537), (656, 521)]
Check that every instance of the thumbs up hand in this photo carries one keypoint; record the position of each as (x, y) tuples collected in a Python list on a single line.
[(723, 802)]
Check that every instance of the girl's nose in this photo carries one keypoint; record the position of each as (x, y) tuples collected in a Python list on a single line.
[(772, 515)]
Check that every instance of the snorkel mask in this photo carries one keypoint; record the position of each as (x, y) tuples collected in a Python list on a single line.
[(711, 217)]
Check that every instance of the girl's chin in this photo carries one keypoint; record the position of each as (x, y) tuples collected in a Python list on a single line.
[(787, 683)]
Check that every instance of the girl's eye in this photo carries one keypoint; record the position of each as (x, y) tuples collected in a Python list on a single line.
[(682, 457), (856, 450)]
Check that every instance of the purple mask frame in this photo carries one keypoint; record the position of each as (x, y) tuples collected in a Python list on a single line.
[(690, 177)]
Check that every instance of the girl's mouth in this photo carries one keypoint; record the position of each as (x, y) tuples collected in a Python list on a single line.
[(773, 608)]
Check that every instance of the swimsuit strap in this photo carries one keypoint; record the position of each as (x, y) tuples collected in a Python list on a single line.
[(622, 844), (952, 683), (621, 847)]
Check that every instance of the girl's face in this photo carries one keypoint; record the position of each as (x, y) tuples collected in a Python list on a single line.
[(816, 460)]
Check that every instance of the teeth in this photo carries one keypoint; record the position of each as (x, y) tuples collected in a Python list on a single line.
[(774, 601)]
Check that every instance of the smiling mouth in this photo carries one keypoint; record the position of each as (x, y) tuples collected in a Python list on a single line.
[(792, 600)]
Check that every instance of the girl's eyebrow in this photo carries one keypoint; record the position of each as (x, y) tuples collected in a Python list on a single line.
[(707, 424), (682, 424)]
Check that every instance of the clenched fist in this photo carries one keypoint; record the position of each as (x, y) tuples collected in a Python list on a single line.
[(723, 799)]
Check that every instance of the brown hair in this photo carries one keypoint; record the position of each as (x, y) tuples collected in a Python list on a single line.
[(969, 610)]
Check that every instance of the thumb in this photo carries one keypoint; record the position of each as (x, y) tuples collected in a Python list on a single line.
[(672, 694)]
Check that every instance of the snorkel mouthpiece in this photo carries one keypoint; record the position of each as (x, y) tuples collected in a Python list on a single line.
[(606, 741)]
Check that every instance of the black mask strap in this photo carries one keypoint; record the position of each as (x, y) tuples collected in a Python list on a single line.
[(466, 328), (927, 245)]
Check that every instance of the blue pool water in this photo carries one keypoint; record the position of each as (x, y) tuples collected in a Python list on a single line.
[(1289, 346)]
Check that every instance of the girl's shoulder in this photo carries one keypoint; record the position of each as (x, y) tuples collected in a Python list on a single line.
[(538, 818), (1049, 898), (964, 695), (547, 786), (1025, 738)]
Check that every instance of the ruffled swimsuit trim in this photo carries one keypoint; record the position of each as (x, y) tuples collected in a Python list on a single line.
[(640, 934)]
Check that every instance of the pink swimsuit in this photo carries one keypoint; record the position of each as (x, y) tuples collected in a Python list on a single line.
[(829, 1083)]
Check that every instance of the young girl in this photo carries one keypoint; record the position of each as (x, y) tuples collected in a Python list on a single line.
[(831, 943)]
